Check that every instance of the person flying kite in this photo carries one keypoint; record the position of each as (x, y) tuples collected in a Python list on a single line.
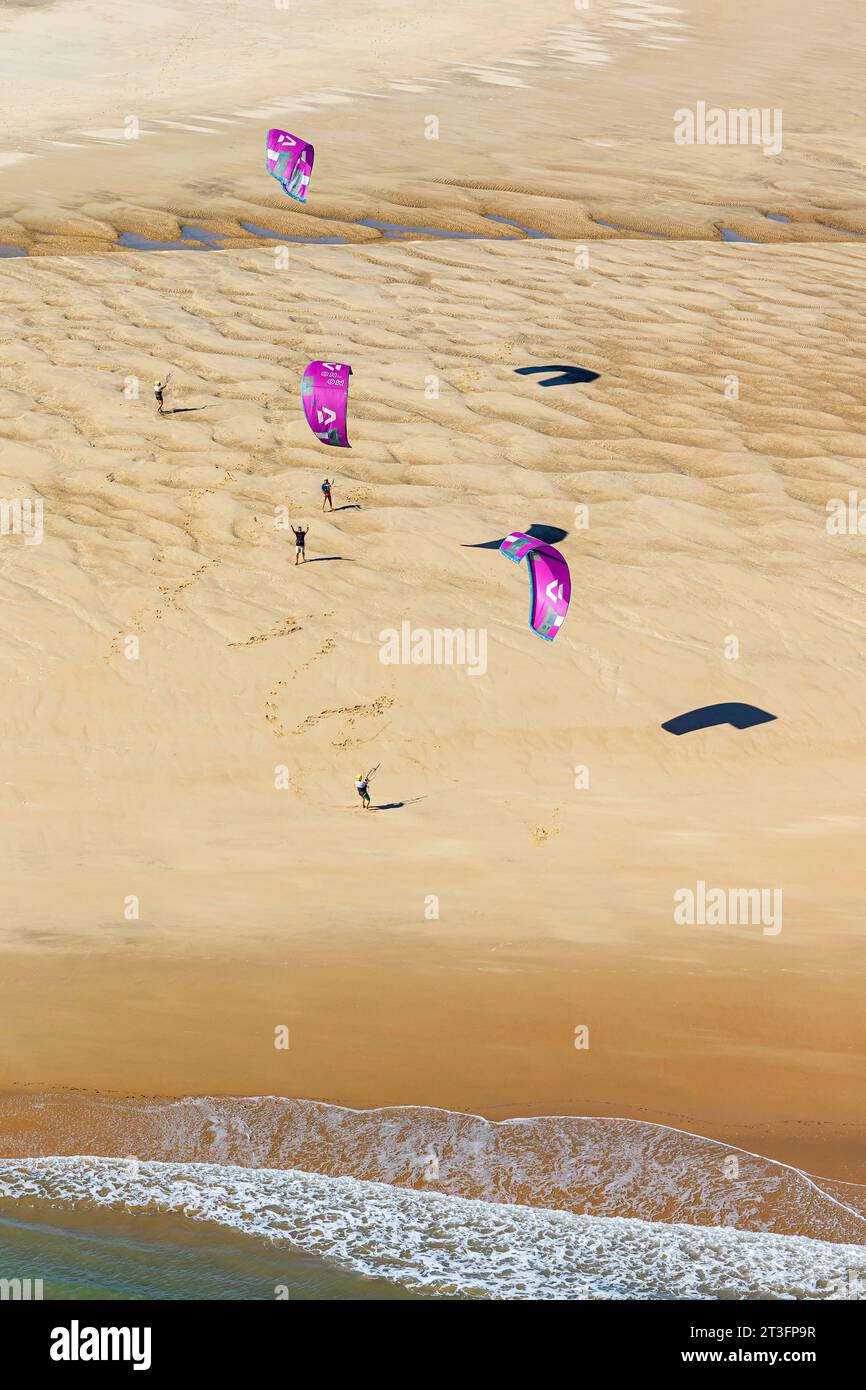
[(362, 784)]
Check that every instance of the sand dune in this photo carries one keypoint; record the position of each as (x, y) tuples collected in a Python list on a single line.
[(561, 120), (260, 906)]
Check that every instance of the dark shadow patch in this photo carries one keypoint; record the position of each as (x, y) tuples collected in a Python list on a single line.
[(551, 535), (346, 507), (568, 376), (184, 409), (320, 559), (708, 716)]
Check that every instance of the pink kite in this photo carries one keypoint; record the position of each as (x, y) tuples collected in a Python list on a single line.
[(290, 160), (548, 577), (325, 393)]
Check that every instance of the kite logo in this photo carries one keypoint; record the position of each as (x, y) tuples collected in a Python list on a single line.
[(550, 581), (734, 907), (290, 160), (443, 646), (325, 394)]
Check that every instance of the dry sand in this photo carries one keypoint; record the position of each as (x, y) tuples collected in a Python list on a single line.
[(155, 776), (559, 118)]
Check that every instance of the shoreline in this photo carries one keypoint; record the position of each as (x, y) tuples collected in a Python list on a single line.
[(25, 1115), (590, 1166)]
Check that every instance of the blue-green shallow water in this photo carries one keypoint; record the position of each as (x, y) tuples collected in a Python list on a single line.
[(91, 1255)]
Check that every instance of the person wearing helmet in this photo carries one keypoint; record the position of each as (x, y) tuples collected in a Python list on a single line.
[(361, 786)]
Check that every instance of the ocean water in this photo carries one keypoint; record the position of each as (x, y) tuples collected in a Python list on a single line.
[(113, 1228), (94, 1254), (96, 1228), (236, 1197)]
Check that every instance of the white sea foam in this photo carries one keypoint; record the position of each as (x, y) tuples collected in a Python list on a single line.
[(589, 1166), (453, 1245)]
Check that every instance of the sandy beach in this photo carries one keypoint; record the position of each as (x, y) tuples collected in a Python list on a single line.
[(188, 868), (262, 906)]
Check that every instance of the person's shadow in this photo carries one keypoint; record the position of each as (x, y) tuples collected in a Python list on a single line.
[(346, 507), (184, 409), (396, 805)]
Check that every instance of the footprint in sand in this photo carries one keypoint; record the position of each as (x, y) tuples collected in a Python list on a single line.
[(284, 629), (327, 646), (145, 616), (272, 714), (350, 713), (542, 833)]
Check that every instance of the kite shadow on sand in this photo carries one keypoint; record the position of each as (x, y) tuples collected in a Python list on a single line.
[(708, 716), (568, 376), (551, 535)]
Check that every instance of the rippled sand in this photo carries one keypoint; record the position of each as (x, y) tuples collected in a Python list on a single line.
[(561, 119), (727, 411)]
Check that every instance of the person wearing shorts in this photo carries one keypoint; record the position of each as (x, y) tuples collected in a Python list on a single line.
[(326, 495), (362, 790), (299, 543)]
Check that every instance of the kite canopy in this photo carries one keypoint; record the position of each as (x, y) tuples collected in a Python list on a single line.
[(325, 393), (290, 160), (549, 579)]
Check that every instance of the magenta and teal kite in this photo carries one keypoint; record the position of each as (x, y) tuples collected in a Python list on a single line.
[(325, 394), (549, 579), (290, 160)]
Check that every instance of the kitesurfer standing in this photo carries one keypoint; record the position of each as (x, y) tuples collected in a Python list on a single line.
[(158, 389), (362, 782), (326, 497), (299, 543)]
